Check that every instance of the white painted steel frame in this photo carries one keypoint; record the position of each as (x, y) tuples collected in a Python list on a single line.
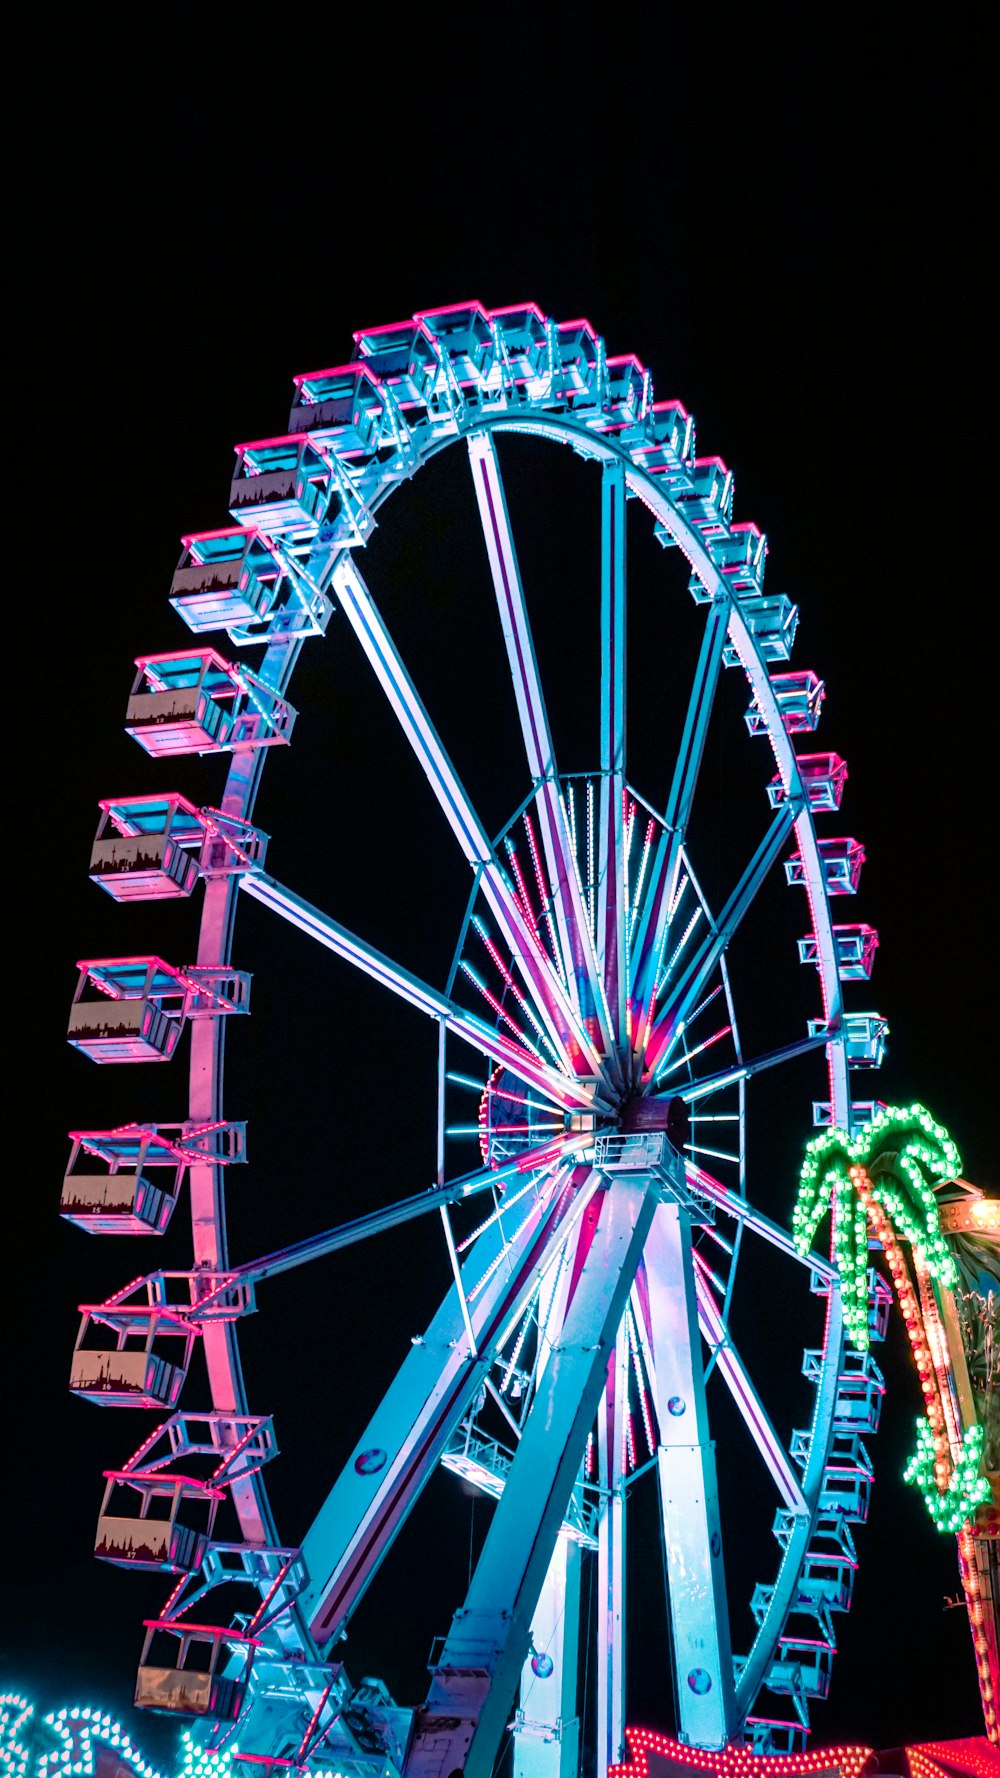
[(560, 1017), (575, 945), (689, 1498), (611, 909), (475, 1679), (611, 1548), (562, 1089), (421, 1409)]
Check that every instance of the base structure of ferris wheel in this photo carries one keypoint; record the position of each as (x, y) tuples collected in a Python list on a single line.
[(589, 1041)]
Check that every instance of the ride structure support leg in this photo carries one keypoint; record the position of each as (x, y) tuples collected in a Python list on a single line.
[(610, 1646), (547, 1738), (689, 1495), (474, 1682)]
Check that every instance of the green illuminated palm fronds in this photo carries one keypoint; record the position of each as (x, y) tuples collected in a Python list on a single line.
[(902, 1151)]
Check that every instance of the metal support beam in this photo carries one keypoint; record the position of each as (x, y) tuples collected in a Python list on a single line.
[(561, 1088), (689, 1499), (651, 937), (475, 1680), (713, 1083), (436, 1383), (744, 1394), (552, 1003), (611, 910), (689, 990), (579, 959), (346, 1234), (755, 1220), (758, 1662), (547, 1735), (611, 1534)]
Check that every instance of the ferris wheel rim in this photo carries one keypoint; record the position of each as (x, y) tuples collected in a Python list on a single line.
[(640, 483), (218, 913)]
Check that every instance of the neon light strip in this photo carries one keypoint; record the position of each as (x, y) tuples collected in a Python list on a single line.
[(689, 1055), (532, 1185), (545, 898), (491, 1000), (510, 983), (562, 1088), (668, 971)]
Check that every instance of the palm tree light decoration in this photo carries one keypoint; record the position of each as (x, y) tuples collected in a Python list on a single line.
[(897, 1179)]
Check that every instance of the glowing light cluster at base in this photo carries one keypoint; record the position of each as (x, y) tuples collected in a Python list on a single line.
[(739, 1762), (970, 1756), (81, 1734), (932, 1759), (198, 1761)]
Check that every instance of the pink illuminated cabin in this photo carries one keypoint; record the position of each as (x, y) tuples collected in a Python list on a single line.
[(141, 1359), (156, 1522), (179, 1671)]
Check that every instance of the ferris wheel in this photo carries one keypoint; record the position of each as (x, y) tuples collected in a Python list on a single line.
[(598, 1176)]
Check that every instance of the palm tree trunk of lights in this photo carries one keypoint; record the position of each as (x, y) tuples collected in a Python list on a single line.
[(920, 1316)]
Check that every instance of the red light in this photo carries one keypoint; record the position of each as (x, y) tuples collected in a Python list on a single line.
[(738, 1762)]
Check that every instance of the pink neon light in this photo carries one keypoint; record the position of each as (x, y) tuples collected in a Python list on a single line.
[(520, 1129), (267, 1759), (174, 797), (187, 654), (544, 892), (522, 890), (243, 532), (423, 316), (90, 963), (500, 1011), (517, 309), (542, 1157), (180, 1627), (357, 370), (510, 982), (280, 438), (565, 327), (370, 333), (737, 1762), (149, 1479)]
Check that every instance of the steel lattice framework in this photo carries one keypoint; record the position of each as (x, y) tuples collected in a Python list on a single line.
[(593, 1297)]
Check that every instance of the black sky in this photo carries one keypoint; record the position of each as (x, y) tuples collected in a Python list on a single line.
[(786, 222)]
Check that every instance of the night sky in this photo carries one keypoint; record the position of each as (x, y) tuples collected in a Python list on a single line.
[(787, 228)]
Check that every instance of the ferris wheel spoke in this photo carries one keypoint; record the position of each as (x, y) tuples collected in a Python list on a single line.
[(552, 1002), (741, 1388), (659, 899), (714, 1083), (562, 1089), (434, 1387), (569, 908), (611, 904), (691, 986), (533, 1162), (750, 1218)]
